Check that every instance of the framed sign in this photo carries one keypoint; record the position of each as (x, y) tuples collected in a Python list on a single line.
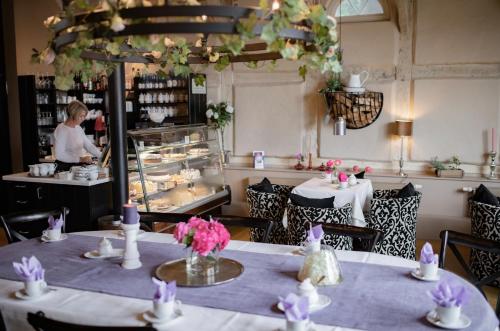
[(258, 159)]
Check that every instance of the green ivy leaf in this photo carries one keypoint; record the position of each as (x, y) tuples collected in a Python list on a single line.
[(251, 64), (246, 26), (264, 5), (113, 48), (182, 70), (303, 71), (199, 80), (222, 63), (63, 83), (318, 15), (233, 43)]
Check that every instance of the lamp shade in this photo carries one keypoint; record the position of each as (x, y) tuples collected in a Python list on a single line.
[(404, 128)]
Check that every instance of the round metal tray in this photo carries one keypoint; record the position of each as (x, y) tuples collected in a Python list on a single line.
[(228, 270)]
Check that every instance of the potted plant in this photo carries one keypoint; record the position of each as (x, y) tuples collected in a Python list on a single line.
[(220, 114), (448, 169)]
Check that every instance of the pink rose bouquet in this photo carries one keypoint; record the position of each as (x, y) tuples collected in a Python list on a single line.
[(202, 236), (343, 177), (356, 169), (331, 165)]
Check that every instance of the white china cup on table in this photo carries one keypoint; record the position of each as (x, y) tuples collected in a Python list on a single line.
[(307, 289), (164, 310), (44, 169), (34, 288), (297, 325), (448, 315), (356, 81), (428, 270), (34, 170), (93, 175), (343, 184), (52, 168), (52, 234)]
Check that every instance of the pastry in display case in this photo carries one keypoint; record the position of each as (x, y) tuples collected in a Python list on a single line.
[(176, 169)]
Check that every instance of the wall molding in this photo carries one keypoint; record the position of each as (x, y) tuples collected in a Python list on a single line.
[(444, 71)]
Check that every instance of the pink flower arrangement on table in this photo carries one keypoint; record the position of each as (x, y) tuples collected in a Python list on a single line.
[(357, 169), (331, 165), (343, 177), (203, 237)]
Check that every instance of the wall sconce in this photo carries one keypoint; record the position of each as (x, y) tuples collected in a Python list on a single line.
[(403, 129), (339, 126)]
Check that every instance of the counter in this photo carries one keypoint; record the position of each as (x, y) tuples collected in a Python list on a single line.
[(23, 177)]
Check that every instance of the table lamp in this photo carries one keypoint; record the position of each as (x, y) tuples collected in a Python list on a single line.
[(404, 129)]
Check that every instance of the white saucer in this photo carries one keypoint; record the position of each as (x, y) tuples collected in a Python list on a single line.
[(354, 89), (416, 274), (21, 294), (122, 234), (117, 252), (47, 240), (149, 316), (323, 301), (462, 322)]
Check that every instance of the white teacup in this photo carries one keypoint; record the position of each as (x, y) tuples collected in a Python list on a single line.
[(34, 288), (93, 175), (307, 289), (448, 315), (428, 270), (44, 169), (164, 310), (297, 325), (343, 184), (52, 234), (356, 81)]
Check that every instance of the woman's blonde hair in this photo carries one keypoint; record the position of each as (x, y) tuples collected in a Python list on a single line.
[(75, 107)]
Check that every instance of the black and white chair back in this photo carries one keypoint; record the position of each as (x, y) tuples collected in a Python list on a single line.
[(485, 224), (397, 219), (269, 206), (300, 217)]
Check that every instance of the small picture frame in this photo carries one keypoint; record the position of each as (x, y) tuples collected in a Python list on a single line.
[(258, 159)]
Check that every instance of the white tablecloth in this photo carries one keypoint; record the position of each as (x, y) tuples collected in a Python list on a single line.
[(358, 195), (84, 307)]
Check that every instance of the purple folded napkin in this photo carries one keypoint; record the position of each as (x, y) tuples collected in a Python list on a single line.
[(447, 294), (427, 255), (29, 269), (296, 308), (165, 292), (315, 233), (55, 223)]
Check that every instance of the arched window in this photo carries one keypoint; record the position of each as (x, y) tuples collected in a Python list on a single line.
[(361, 10)]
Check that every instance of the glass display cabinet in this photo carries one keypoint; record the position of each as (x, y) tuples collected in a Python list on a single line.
[(177, 169)]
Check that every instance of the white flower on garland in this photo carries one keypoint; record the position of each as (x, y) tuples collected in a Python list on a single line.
[(333, 34), (330, 52), (290, 52), (156, 54), (48, 55), (199, 43), (147, 3), (216, 115), (332, 21), (117, 23), (209, 113), (52, 20), (213, 57), (229, 109), (154, 38), (168, 42)]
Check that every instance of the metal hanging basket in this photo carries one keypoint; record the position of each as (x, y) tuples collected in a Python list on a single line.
[(358, 109)]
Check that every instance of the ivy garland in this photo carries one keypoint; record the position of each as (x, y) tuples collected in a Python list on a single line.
[(172, 54)]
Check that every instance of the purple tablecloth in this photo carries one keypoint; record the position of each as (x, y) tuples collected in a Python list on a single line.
[(371, 297)]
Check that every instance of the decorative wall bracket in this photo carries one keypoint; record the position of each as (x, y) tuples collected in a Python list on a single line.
[(358, 109)]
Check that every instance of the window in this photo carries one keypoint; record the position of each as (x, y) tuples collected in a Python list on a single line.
[(361, 10)]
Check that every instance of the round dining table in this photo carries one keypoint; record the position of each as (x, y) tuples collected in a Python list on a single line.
[(94, 308)]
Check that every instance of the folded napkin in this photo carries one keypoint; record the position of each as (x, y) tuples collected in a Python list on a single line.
[(29, 270), (447, 294), (315, 233), (427, 255), (55, 223), (165, 292), (296, 308)]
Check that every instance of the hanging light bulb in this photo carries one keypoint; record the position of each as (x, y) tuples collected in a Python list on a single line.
[(204, 18), (339, 126), (275, 5)]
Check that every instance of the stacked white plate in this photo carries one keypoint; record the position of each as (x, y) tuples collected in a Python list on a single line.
[(90, 172)]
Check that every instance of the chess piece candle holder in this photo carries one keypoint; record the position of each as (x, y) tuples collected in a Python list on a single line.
[(493, 166), (131, 256)]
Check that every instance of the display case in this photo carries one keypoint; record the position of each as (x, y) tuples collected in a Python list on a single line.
[(177, 169)]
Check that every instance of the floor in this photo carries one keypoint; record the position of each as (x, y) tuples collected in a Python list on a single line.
[(451, 263)]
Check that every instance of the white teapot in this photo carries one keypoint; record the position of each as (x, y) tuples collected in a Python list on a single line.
[(352, 180)]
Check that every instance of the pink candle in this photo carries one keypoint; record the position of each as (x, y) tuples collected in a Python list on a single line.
[(493, 140)]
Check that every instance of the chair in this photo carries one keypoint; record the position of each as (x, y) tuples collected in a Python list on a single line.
[(451, 239), (41, 323), (300, 217), (263, 225), (29, 224), (485, 224), (397, 219), (370, 237), (269, 206)]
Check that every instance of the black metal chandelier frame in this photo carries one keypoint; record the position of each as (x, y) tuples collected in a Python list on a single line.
[(300, 32)]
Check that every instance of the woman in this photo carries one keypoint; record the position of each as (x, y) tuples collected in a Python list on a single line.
[(71, 141)]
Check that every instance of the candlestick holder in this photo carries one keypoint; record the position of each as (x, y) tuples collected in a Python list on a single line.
[(131, 256), (493, 166), (310, 166)]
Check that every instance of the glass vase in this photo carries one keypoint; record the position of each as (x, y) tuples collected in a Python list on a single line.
[(198, 265)]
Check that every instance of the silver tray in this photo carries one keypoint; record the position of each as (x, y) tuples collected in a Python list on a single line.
[(228, 270)]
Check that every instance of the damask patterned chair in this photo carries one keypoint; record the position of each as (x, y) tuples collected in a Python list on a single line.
[(397, 219), (300, 217), (485, 224), (269, 206)]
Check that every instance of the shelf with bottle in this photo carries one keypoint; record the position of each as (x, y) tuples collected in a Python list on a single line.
[(153, 81)]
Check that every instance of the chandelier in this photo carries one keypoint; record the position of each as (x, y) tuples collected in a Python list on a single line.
[(186, 37)]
